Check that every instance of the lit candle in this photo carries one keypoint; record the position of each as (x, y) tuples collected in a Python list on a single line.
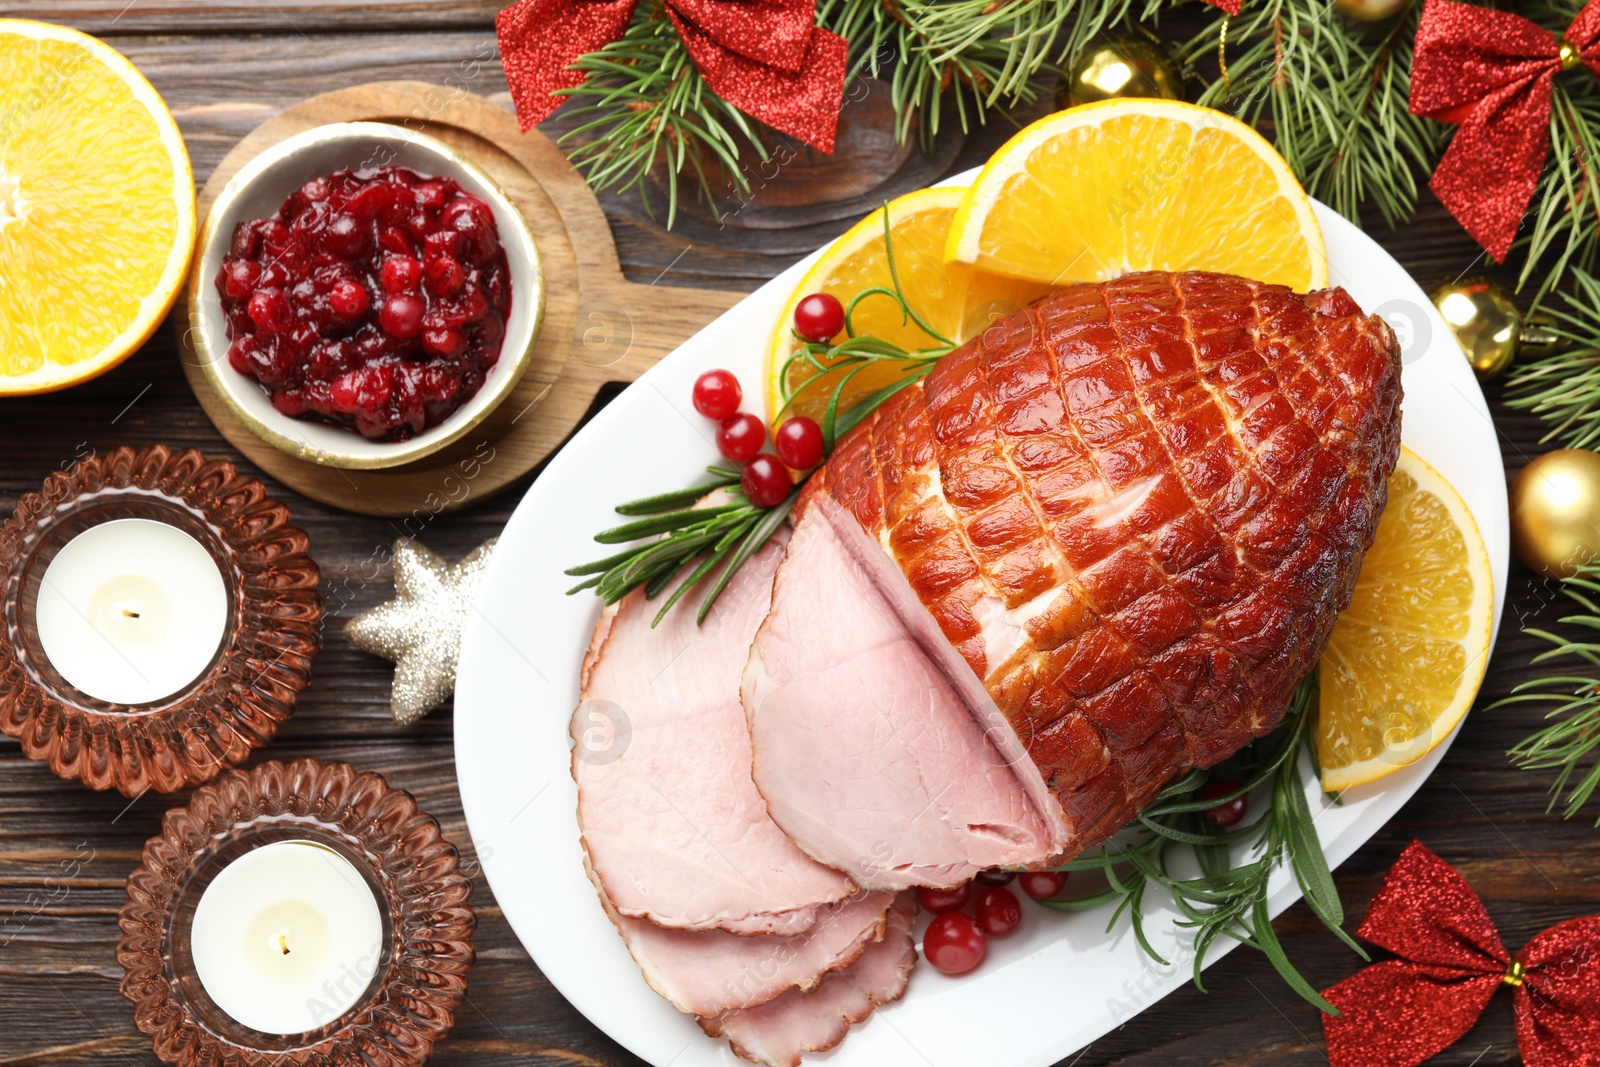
[(132, 611), (287, 937)]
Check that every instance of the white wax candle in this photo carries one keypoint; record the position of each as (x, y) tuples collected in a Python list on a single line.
[(132, 611), (287, 937)]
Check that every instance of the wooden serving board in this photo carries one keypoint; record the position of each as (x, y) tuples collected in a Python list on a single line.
[(598, 326)]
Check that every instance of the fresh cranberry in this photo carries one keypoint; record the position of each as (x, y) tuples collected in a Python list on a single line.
[(766, 482), (739, 438), (401, 316), (344, 237), (799, 443), (954, 944), (401, 275), (819, 317), (1042, 885), (717, 394), (239, 278), (999, 912), (940, 901), (997, 876), (448, 341), (444, 276), (269, 310), (349, 300), (1229, 812)]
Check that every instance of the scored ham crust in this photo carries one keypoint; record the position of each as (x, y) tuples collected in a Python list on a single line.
[(1133, 509)]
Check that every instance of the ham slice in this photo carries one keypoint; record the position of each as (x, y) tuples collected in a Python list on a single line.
[(672, 823), (867, 746), (708, 972), (781, 1031), (1132, 512)]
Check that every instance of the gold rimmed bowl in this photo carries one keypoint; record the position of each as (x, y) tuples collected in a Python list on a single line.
[(257, 192)]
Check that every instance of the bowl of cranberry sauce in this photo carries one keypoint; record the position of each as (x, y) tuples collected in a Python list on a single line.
[(365, 295)]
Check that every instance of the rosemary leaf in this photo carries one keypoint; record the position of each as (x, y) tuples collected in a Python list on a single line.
[(677, 498), (758, 536), (664, 523)]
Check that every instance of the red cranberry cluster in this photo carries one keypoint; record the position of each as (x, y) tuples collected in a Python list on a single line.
[(956, 942), (766, 480), (373, 299)]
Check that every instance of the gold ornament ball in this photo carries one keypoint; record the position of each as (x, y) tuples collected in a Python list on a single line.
[(1370, 10), (1555, 511), (1120, 68), (1486, 321)]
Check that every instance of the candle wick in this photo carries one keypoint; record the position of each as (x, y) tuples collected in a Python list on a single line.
[(130, 614), (283, 944)]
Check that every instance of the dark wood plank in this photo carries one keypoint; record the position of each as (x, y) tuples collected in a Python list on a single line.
[(58, 975), (359, 17)]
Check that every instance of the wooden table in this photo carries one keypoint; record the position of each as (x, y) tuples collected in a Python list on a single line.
[(225, 66)]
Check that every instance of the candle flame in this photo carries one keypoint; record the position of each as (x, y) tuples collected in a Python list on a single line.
[(283, 944)]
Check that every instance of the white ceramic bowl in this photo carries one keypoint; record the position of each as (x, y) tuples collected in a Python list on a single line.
[(259, 189)]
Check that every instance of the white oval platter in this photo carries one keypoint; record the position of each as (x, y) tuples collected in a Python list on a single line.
[(1058, 984)]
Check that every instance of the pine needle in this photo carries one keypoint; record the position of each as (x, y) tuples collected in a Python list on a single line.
[(1570, 742)]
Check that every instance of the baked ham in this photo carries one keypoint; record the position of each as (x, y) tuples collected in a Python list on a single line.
[(780, 1032), (710, 972), (723, 914), (1092, 549), (672, 823)]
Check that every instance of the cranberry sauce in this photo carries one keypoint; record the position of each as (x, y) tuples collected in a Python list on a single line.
[(375, 300)]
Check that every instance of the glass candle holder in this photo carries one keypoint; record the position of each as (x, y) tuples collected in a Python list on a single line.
[(424, 951), (270, 625)]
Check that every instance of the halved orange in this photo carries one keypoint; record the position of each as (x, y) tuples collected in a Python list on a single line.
[(1407, 656), (1100, 190), (97, 207), (953, 298)]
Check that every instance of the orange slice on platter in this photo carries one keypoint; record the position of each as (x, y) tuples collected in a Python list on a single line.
[(954, 299), (1407, 656), (1097, 191)]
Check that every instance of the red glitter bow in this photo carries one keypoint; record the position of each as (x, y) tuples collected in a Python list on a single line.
[(766, 57), (1400, 1012), (1492, 72)]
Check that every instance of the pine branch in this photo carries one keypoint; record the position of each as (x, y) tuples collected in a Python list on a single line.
[(1335, 93), (1563, 388), (891, 40), (1570, 743), (643, 102)]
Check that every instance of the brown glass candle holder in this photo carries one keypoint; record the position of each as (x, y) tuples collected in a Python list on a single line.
[(263, 662), (412, 870)]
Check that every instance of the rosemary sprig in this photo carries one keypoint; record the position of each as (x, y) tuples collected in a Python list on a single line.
[(717, 537), (835, 366), (1568, 744), (1228, 898)]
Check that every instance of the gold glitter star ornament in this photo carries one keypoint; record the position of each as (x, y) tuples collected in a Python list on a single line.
[(420, 629)]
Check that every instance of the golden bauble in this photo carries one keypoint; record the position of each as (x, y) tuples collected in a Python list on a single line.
[(1370, 10), (1555, 511), (1120, 68), (1486, 321)]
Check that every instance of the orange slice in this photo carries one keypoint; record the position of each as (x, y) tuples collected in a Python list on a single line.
[(1097, 191), (97, 208), (953, 298)]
